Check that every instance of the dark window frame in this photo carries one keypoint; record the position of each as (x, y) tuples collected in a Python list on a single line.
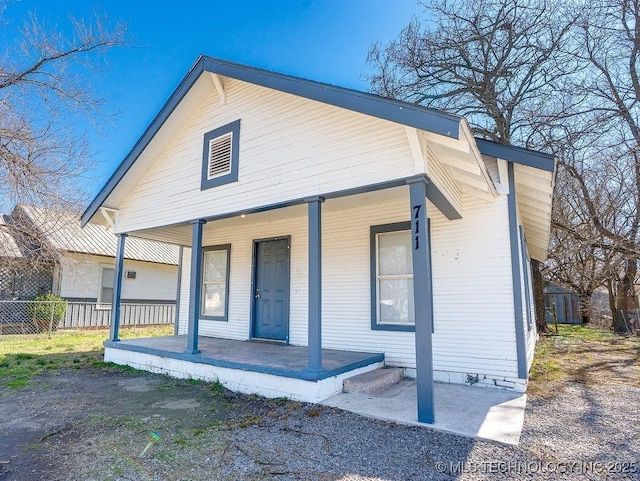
[(232, 176), (204, 250), (374, 231)]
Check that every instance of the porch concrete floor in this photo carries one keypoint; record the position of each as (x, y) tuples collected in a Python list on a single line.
[(270, 358), (476, 412)]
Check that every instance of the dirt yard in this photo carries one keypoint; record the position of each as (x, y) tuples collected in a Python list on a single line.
[(100, 422)]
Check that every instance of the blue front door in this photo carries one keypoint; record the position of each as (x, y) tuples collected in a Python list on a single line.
[(271, 290)]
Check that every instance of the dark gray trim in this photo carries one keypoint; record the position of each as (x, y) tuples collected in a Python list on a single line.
[(406, 113), (373, 270), (232, 176), (437, 198), (518, 155), (400, 112), (433, 194), (423, 301), (521, 350), (225, 247), (254, 257), (525, 275), (314, 320), (178, 288), (304, 374), (195, 287), (117, 288)]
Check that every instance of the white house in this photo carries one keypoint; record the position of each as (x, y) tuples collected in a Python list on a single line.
[(353, 230), (84, 266)]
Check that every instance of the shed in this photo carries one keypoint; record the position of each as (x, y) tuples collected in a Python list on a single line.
[(567, 304)]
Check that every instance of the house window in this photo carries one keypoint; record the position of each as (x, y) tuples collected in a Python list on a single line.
[(105, 294), (392, 306), (220, 156), (215, 282)]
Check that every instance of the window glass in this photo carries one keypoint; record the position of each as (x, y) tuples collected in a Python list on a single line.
[(215, 275), (106, 285), (394, 279)]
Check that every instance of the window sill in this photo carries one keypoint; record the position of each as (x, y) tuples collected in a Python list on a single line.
[(213, 318), (394, 327)]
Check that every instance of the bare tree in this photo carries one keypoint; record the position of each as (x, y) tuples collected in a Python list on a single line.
[(47, 104), (497, 62)]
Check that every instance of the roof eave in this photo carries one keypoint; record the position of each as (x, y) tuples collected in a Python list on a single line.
[(517, 155)]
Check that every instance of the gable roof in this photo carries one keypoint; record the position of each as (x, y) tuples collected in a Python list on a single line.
[(9, 248), (62, 231), (534, 167), (412, 115)]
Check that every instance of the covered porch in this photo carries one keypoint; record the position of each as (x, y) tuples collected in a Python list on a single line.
[(269, 369), (227, 347)]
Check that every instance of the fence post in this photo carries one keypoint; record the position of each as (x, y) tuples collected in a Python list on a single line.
[(53, 307), (555, 316)]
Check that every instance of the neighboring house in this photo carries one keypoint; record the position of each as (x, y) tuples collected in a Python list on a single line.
[(566, 302), (78, 262), (84, 266), (310, 215), (23, 273), (85, 262)]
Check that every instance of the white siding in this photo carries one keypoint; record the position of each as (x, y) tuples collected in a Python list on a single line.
[(241, 238), (474, 316), (473, 308), (183, 314), (290, 147), (80, 278)]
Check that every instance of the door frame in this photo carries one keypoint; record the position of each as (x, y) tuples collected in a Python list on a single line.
[(254, 272)]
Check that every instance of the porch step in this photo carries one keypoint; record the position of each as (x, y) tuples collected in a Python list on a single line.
[(372, 381)]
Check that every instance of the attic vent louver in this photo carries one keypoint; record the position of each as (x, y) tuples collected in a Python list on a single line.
[(220, 156), (220, 149)]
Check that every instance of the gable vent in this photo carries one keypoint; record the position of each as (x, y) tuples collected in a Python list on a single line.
[(220, 156)]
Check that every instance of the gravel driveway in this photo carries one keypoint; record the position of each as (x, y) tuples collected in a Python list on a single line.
[(109, 424), (89, 424)]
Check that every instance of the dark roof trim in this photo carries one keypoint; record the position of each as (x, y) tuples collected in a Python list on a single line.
[(401, 112), (517, 155)]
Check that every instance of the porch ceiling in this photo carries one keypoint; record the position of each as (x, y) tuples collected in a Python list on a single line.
[(181, 234), (534, 193)]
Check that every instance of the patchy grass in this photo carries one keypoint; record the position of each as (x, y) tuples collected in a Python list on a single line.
[(24, 356), (581, 354)]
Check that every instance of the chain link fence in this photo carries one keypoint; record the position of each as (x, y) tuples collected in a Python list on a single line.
[(36, 317)]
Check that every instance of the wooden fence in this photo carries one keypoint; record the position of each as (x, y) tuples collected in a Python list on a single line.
[(17, 317), (89, 314)]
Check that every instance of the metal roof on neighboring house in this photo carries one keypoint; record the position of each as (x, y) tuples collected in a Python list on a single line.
[(63, 231), (8, 245)]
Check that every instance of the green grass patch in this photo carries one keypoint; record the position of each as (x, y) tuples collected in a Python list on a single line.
[(585, 333), (578, 354), (24, 356)]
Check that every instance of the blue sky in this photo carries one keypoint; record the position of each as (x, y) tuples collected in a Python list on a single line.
[(323, 40)]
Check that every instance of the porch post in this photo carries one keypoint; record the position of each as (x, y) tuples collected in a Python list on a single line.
[(521, 348), (195, 287), (422, 298), (314, 339), (117, 288)]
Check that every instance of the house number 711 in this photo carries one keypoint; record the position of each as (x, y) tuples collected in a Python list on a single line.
[(416, 231)]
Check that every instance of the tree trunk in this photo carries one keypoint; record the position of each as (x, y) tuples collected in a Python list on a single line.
[(538, 296), (612, 302), (585, 305)]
